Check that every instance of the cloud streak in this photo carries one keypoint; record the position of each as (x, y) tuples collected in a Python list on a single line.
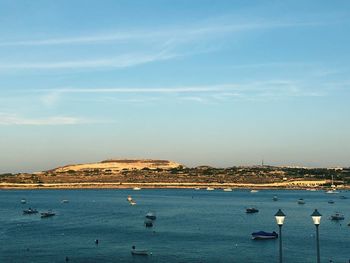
[(175, 33), (263, 90), (122, 61), (14, 119)]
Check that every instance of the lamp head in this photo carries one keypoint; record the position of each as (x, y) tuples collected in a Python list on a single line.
[(280, 217), (316, 217)]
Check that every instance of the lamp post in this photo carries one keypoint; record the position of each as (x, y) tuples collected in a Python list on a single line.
[(316, 218), (280, 219)]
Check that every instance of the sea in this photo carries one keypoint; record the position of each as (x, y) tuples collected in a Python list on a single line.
[(191, 226)]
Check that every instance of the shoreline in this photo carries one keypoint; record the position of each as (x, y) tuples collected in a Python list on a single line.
[(296, 185)]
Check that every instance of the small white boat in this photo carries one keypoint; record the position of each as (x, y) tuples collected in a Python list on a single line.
[(136, 188), (301, 201), (47, 214), (197, 188), (151, 215), (311, 189), (130, 200), (275, 198), (254, 191), (23, 201), (138, 252), (227, 189), (332, 192), (65, 201), (210, 188)]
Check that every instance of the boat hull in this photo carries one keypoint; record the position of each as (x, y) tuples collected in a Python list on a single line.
[(264, 235)]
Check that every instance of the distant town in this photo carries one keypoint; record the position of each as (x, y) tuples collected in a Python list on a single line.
[(167, 174)]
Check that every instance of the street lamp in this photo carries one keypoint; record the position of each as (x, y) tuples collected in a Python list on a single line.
[(280, 216), (316, 217)]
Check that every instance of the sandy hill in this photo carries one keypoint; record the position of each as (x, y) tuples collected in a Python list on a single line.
[(117, 165)]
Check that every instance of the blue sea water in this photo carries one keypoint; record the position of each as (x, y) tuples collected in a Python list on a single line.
[(191, 226)]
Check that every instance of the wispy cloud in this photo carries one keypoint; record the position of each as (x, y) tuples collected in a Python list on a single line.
[(14, 119), (263, 90), (184, 32), (167, 43), (182, 89), (122, 61)]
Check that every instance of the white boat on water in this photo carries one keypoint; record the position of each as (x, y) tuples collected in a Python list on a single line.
[(47, 214), (197, 188), (136, 188), (23, 201), (254, 191), (301, 201), (333, 191), (210, 188), (227, 189), (140, 252), (130, 200), (275, 198), (151, 215)]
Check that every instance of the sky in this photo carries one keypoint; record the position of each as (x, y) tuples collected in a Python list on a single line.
[(197, 82)]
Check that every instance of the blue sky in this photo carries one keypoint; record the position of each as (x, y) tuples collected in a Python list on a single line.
[(223, 84)]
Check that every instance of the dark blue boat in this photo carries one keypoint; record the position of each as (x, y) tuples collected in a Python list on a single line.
[(264, 235)]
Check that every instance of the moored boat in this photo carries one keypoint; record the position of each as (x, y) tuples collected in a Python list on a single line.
[(136, 189), (47, 214), (210, 188), (251, 210), (151, 215), (23, 201), (138, 252), (301, 201), (254, 191), (275, 198), (30, 211), (260, 235), (337, 216), (332, 191), (227, 189)]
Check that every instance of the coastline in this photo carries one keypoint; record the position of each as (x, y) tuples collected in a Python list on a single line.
[(164, 185)]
